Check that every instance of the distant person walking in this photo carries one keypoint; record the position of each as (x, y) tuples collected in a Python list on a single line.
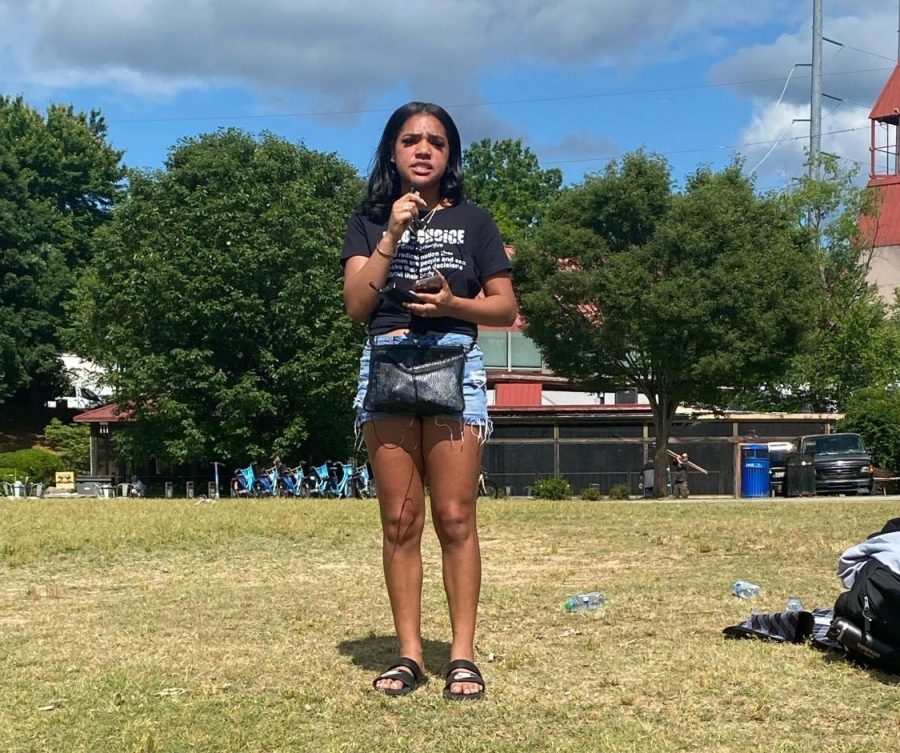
[(680, 476), (648, 473)]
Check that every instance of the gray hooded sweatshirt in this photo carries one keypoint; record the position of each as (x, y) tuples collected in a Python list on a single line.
[(885, 547)]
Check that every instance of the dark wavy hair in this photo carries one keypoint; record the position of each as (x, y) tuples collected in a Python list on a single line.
[(384, 180)]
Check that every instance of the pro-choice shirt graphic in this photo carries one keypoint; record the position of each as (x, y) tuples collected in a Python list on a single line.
[(461, 242), (424, 251)]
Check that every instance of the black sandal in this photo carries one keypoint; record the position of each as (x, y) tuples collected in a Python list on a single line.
[(411, 677), (462, 670)]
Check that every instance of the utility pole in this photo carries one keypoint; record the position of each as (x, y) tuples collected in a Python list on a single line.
[(815, 95)]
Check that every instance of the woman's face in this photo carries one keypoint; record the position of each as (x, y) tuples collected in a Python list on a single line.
[(422, 151)]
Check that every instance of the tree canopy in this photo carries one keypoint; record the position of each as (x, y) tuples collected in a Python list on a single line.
[(58, 182), (506, 178), (874, 413), (686, 295), (851, 340), (214, 299)]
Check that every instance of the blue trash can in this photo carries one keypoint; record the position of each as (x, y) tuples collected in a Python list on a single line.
[(754, 470)]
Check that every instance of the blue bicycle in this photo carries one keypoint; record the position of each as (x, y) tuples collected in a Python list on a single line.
[(362, 483), (318, 480), (243, 482), (339, 475), (292, 482)]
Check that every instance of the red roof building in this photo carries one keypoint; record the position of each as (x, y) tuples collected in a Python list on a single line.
[(103, 458), (111, 413), (883, 230)]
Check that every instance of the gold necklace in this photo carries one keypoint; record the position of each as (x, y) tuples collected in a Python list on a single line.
[(422, 225), (428, 217)]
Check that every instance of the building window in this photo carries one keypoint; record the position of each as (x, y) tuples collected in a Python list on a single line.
[(509, 350), (496, 349), (523, 352)]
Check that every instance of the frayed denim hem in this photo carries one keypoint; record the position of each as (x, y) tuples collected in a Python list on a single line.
[(483, 426)]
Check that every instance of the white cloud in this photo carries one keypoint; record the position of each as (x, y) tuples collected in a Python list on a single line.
[(774, 144), (855, 72), (343, 56), (344, 51)]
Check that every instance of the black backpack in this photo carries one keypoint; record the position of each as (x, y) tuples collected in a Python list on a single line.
[(872, 605)]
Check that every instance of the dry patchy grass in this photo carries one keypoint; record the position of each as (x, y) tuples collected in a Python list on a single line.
[(166, 626)]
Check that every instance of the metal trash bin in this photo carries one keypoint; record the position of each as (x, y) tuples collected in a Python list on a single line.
[(189, 489), (170, 489), (754, 470), (800, 476), (89, 486)]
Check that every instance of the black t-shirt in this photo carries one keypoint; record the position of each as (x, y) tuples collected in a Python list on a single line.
[(461, 242)]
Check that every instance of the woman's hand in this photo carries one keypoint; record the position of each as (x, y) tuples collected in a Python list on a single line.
[(404, 211), (435, 304), (496, 308)]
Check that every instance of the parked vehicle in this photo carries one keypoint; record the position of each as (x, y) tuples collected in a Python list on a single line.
[(842, 464), (83, 399), (778, 454), (87, 385)]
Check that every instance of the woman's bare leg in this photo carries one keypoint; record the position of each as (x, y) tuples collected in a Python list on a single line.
[(395, 450), (452, 463)]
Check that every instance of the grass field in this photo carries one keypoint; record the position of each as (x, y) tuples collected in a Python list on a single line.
[(161, 625)]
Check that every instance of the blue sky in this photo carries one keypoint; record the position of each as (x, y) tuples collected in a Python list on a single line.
[(579, 81)]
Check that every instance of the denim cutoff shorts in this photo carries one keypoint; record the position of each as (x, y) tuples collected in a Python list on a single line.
[(474, 379)]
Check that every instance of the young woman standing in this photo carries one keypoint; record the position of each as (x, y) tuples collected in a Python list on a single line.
[(414, 224)]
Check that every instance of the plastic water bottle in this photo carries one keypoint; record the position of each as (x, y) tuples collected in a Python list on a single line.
[(793, 604), (585, 602), (744, 589)]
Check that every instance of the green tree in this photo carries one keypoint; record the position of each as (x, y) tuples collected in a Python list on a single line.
[(682, 295), (72, 442), (874, 413), (851, 342), (58, 181), (506, 179), (214, 300)]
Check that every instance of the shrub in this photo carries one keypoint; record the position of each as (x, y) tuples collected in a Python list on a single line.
[(37, 465), (10, 474), (72, 442), (620, 491), (591, 494), (552, 488)]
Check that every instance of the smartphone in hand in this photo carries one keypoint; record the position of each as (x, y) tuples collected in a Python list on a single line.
[(431, 284), (396, 295)]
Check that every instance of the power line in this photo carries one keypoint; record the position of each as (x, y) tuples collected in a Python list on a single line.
[(461, 105), (867, 52), (772, 148)]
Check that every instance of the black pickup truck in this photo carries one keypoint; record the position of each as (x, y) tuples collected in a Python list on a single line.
[(842, 464)]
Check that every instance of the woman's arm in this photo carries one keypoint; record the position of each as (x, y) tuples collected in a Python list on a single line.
[(497, 308), (359, 298)]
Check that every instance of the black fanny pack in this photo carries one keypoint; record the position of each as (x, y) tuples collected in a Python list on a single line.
[(416, 380)]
